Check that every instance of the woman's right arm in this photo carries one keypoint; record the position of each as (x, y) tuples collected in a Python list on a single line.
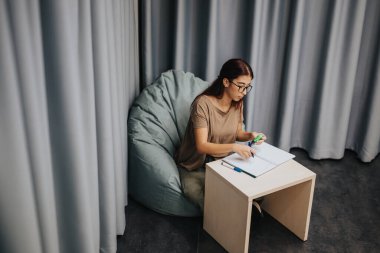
[(205, 147)]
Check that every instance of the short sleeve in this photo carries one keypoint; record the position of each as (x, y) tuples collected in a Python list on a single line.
[(199, 113)]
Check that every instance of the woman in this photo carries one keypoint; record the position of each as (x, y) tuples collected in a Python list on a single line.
[(215, 124)]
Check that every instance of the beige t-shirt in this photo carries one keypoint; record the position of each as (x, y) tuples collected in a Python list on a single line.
[(222, 128)]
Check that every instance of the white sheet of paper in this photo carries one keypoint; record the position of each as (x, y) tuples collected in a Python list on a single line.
[(266, 158), (252, 165), (272, 154)]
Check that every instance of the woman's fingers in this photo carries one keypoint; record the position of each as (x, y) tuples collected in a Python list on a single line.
[(263, 138), (246, 151), (246, 155)]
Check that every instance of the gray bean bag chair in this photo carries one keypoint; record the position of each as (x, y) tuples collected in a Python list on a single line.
[(156, 125)]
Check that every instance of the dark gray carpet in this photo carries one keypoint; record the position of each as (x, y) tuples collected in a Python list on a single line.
[(345, 217)]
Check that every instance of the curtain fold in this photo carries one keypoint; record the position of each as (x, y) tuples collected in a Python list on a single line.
[(69, 72), (315, 62)]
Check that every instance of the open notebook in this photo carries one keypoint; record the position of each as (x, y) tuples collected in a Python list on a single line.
[(266, 158)]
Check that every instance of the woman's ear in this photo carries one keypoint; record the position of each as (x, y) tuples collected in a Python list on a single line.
[(226, 82)]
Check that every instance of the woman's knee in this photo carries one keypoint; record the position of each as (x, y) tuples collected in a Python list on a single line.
[(192, 187)]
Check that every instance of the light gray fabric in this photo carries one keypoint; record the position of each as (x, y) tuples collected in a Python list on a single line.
[(156, 125), (68, 74), (316, 63)]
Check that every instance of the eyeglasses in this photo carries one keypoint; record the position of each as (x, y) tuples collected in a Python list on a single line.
[(242, 88)]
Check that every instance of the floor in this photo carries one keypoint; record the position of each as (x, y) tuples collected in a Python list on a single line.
[(345, 217)]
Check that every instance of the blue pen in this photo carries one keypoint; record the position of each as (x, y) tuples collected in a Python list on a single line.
[(233, 167), (237, 169)]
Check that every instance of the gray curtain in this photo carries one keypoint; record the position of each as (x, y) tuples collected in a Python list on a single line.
[(316, 64), (68, 74)]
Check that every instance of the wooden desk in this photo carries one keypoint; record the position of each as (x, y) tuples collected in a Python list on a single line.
[(288, 191)]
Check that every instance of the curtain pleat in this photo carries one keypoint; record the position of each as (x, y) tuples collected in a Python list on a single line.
[(69, 72), (315, 64)]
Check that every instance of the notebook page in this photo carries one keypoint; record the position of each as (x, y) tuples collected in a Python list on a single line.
[(252, 165), (272, 154)]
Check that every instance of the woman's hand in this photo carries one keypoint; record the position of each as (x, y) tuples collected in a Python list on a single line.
[(243, 150), (255, 134)]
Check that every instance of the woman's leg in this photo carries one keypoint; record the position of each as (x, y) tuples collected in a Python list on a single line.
[(193, 185)]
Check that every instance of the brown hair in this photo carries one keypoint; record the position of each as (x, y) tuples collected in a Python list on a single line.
[(231, 69)]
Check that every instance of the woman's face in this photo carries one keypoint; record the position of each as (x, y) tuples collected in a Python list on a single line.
[(237, 88)]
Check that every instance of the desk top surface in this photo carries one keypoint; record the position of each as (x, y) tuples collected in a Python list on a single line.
[(283, 176)]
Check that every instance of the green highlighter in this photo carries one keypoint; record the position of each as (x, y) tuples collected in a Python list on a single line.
[(256, 139)]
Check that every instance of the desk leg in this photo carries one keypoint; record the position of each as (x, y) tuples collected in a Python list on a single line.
[(292, 207), (227, 214)]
